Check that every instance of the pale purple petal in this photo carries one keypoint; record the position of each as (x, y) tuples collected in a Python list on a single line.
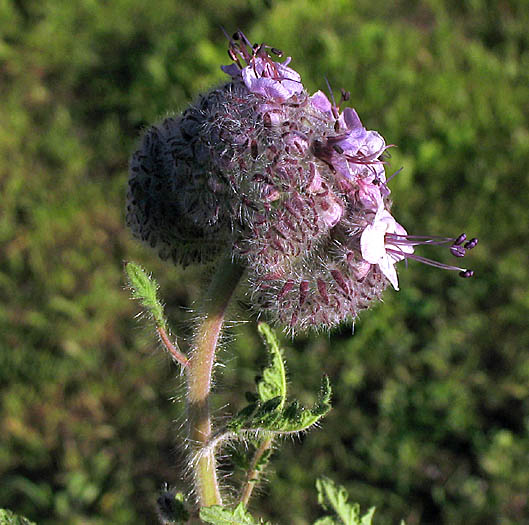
[(374, 144), (268, 88), (352, 120), (370, 196), (320, 101), (232, 70), (271, 79), (356, 133), (332, 215), (379, 173)]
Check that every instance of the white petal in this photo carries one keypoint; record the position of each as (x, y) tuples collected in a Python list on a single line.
[(372, 243), (387, 267)]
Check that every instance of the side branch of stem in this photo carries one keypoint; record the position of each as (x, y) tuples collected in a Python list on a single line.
[(171, 348), (253, 473)]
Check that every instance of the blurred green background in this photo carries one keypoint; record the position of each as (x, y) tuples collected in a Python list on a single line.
[(431, 405)]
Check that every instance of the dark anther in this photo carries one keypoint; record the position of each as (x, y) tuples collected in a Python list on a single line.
[(346, 95), (277, 52), (471, 244), (235, 35), (460, 240), (466, 273), (457, 251), (338, 149)]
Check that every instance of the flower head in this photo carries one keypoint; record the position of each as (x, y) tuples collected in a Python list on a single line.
[(290, 184)]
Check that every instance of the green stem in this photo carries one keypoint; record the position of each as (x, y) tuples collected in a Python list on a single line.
[(199, 373)]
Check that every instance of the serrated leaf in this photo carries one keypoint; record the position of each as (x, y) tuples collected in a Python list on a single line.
[(293, 418), (217, 515), (268, 411), (145, 289), (7, 517), (334, 498), (274, 381)]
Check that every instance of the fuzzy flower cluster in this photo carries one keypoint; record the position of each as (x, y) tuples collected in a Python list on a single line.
[(288, 183)]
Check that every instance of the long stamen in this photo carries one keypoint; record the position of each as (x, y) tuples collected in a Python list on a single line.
[(429, 262), (415, 240), (457, 249), (396, 173)]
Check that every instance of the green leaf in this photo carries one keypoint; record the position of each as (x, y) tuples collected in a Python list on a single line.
[(217, 515), (145, 288), (268, 410), (274, 381), (7, 517), (294, 418), (334, 498)]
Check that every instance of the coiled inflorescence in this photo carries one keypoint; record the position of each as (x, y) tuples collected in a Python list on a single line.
[(287, 183)]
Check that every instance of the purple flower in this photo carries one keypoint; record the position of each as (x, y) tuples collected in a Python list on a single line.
[(378, 249), (291, 185), (263, 76), (271, 79)]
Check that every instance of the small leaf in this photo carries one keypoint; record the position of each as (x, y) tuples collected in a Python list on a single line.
[(334, 498), (273, 382), (145, 289), (7, 517), (268, 411), (294, 418), (217, 515)]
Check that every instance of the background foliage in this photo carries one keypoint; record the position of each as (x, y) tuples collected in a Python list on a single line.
[(431, 417)]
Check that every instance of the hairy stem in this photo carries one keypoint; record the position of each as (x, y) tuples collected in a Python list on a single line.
[(199, 373), (171, 348), (253, 473)]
